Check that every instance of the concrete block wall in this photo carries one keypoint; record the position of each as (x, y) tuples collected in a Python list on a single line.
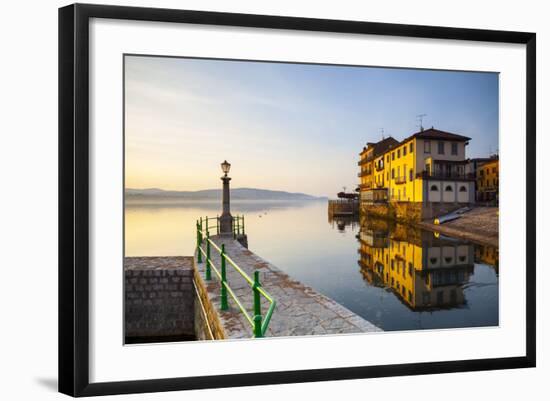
[(159, 299)]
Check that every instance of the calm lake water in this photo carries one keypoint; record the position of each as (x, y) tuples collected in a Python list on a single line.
[(396, 277)]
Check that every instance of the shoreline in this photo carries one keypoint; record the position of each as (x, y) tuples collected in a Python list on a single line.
[(479, 238)]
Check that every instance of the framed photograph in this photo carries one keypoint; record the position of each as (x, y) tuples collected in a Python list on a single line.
[(251, 199)]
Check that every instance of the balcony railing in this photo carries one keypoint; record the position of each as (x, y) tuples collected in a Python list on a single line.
[(365, 160), (364, 173), (379, 185), (442, 175), (400, 180)]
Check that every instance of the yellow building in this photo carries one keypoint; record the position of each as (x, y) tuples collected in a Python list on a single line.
[(366, 162), (428, 166), (487, 181), (426, 273)]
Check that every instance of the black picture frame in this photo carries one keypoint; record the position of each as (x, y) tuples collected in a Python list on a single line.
[(74, 198)]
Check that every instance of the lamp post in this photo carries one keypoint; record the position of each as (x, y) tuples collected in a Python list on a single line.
[(226, 220)]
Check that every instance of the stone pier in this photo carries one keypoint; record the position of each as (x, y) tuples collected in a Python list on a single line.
[(300, 310)]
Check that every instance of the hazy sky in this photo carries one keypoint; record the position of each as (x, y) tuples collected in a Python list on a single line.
[(290, 127)]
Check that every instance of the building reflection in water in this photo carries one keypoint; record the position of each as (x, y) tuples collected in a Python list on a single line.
[(425, 271), (343, 222)]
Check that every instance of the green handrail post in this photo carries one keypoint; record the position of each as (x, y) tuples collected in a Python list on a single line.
[(243, 222), (234, 228), (224, 305), (201, 222), (206, 224), (257, 306), (199, 253), (208, 273)]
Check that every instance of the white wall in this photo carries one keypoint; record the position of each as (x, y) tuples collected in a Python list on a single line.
[(28, 161)]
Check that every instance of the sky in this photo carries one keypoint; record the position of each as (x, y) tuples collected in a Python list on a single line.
[(282, 126)]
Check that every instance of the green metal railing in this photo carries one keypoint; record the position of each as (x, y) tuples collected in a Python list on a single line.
[(258, 322)]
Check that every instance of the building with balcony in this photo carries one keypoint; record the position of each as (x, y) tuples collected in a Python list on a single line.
[(487, 181), (366, 163), (427, 167)]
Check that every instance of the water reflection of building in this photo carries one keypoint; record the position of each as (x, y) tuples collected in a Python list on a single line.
[(487, 255), (424, 272), (343, 222)]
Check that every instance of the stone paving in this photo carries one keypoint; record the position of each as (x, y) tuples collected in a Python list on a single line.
[(300, 310)]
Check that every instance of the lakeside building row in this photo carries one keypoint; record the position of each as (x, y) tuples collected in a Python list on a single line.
[(428, 171)]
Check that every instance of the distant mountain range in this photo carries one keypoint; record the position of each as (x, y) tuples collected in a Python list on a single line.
[(216, 194)]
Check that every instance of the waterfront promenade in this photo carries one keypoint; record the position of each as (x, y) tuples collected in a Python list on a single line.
[(299, 311)]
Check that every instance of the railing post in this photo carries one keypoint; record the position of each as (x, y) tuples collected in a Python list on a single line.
[(257, 306), (217, 224), (199, 243), (207, 228), (208, 273), (224, 305), (201, 222), (235, 227), (243, 222)]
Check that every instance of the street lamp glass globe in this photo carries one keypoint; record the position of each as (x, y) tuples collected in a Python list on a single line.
[(225, 167)]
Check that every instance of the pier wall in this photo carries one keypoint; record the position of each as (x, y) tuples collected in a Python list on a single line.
[(208, 325), (342, 207), (159, 299), (409, 212)]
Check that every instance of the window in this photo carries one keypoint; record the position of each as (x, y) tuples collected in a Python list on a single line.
[(481, 173), (411, 174), (454, 148), (453, 296), (410, 269), (388, 158), (494, 170), (439, 297), (398, 153), (411, 147), (462, 188), (448, 188), (425, 297), (427, 147), (434, 188), (441, 147), (404, 192), (404, 151), (392, 173), (393, 156)]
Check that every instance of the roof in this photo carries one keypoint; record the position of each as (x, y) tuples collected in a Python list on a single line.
[(382, 146), (432, 133)]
